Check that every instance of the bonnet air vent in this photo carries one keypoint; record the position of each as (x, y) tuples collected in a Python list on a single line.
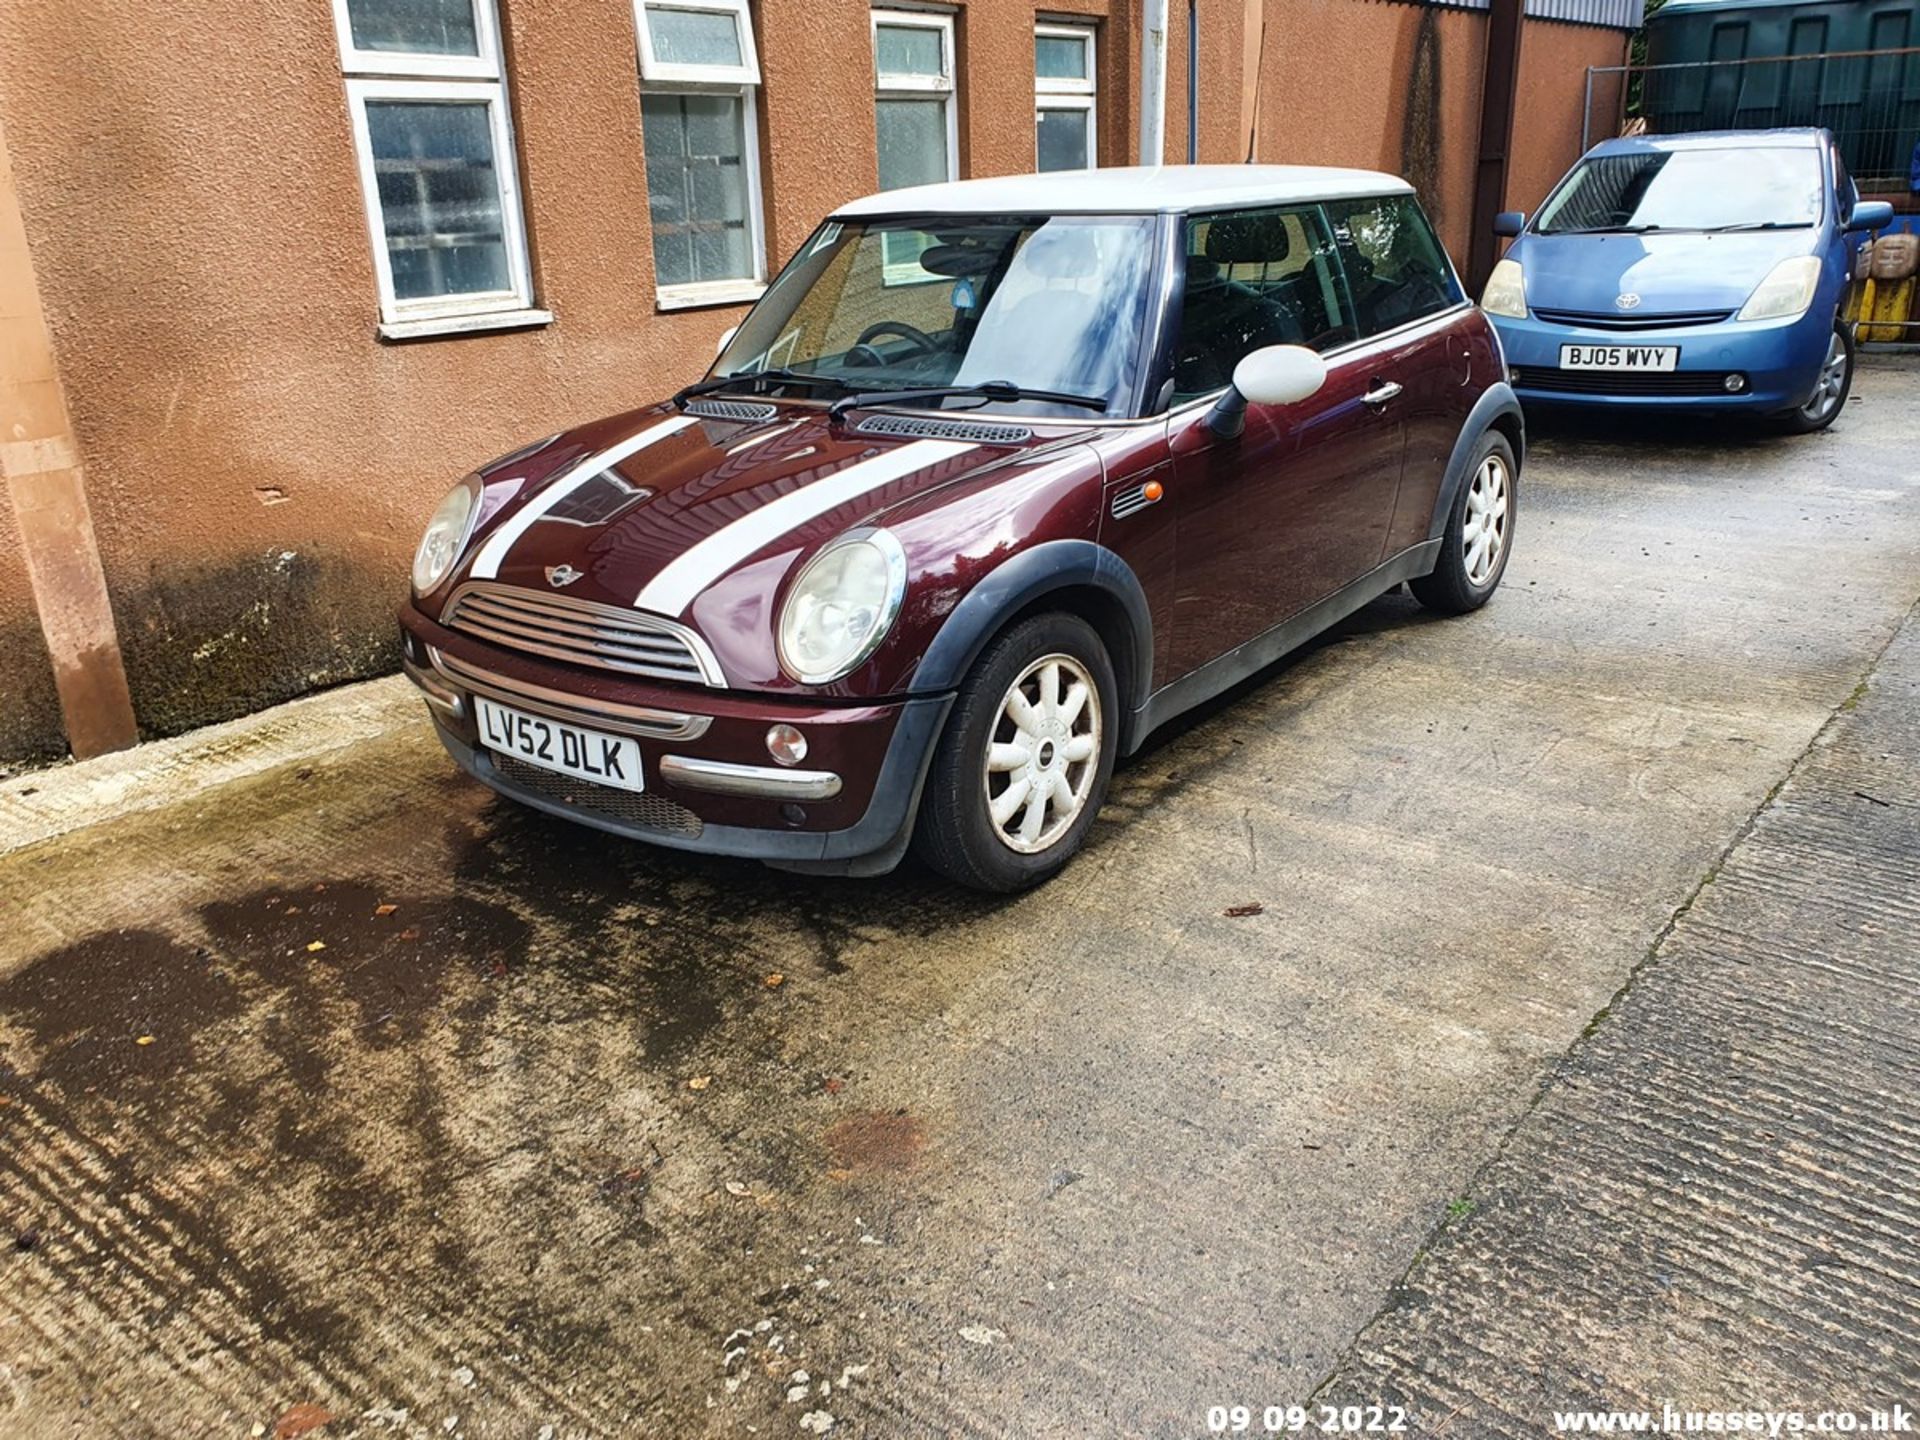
[(980, 431), (748, 410)]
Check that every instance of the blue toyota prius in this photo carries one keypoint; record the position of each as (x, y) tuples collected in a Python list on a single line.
[(1703, 271)]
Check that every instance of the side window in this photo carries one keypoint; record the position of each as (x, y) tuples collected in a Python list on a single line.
[(1254, 278), (1396, 271)]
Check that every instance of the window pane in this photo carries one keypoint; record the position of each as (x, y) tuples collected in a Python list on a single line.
[(1254, 278), (1396, 270), (439, 197), (908, 50), (694, 37), (425, 27), (1062, 140), (697, 187), (1055, 58), (913, 142)]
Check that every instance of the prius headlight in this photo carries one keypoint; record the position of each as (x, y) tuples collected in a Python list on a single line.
[(841, 606), (1787, 290), (446, 536), (1506, 292)]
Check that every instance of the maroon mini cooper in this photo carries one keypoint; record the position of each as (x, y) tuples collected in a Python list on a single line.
[(996, 477)]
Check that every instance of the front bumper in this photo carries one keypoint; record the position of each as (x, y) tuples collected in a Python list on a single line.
[(709, 787), (1778, 361)]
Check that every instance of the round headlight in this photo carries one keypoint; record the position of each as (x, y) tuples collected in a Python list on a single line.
[(446, 535), (840, 607)]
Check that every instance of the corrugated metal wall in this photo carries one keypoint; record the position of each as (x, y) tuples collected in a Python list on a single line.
[(1612, 14)]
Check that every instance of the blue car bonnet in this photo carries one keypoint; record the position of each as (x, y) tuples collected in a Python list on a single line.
[(1681, 271)]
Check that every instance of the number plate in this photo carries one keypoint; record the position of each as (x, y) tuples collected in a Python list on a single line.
[(553, 745), (1619, 357)]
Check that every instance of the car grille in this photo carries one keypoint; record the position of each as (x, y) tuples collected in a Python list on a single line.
[(637, 808), (580, 632), (1616, 320), (1622, 382)]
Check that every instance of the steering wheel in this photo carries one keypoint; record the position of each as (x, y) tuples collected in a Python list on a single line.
[(921, 341)]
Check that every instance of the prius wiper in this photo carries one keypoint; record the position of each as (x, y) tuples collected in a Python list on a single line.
[(986, 390), (741, 379), (1605, 230), (1760, 225)]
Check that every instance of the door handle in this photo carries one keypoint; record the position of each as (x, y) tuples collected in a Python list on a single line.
[(1381, 393)]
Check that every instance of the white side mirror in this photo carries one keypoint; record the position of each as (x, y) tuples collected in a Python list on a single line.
[(726, 339), (1280, 375)]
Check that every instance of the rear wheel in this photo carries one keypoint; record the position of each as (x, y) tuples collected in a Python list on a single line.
[(1829, 395), (1479, 533), (1023, 765)]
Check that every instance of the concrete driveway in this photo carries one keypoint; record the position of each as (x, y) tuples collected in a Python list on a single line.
[(349, 1090)]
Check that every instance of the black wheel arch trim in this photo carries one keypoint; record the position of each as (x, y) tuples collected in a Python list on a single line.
[(1497, 403), (1014, 586)]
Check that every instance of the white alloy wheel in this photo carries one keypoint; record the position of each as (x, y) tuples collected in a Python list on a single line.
[(1044, 753), (1832, 383), (1484, 536)]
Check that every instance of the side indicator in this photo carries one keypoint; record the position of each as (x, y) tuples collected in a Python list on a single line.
[(1135, 498)]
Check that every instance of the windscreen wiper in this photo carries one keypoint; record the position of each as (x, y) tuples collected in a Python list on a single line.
[(999, 390), (742, 378), (1759, 225), (1605, 230)]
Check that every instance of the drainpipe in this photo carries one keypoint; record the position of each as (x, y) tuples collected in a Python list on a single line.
[(1193, 82), (40, 468), (1153, 83), (1505, 19)]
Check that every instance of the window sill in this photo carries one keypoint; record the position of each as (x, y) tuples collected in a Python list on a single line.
[(463, 324), (719, 292)]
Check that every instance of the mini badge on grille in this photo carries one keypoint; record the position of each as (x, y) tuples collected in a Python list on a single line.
[(558, 575)]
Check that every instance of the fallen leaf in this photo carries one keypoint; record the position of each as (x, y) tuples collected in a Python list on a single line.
[(699, 1082), (1236, 911), (410, 933), (291, 910), (301, 1419), (734, 1187), (835, 1085), (776, 980), (315, 946), (319, 889), (144, 1040), (385, 909)]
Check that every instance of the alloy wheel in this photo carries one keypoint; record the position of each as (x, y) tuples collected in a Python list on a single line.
[(1832, 383), (1044, 753), (1484, 536)]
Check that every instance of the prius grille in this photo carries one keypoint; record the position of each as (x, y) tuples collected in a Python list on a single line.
[(1616, 320), (580, 632)]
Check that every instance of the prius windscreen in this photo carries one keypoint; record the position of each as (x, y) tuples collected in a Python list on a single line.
[(1761, 188), (1047, 302)]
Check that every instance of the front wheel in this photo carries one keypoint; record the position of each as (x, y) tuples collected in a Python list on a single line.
[(1023, 765), (1829, 395), (1479, 533)]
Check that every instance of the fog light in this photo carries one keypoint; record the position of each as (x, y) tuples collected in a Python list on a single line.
[(786, 744), (1735, 382)]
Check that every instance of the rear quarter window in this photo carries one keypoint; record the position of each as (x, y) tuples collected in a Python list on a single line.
[(1396, 270)]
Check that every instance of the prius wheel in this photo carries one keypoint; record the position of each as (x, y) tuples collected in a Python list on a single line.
[(1829, 395), (1023, 765), (1479, 534)]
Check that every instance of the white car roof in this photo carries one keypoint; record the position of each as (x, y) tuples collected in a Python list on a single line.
[(1133, 189)]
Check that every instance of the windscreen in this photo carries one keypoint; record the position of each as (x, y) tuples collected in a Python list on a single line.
[(1046, 302), (1721, 189)]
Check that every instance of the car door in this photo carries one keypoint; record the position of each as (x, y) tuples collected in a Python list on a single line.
[(1298, 504)]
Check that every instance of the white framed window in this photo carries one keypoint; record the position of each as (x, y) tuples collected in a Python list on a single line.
[(428, 98), (1065, 94), (918, 136), (699, 79)]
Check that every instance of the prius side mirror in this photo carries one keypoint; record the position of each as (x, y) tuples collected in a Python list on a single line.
[(1870, 215), (1274, 375), (726, 339), (1509, 222)]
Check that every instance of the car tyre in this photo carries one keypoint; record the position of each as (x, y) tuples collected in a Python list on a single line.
[(1052, 747), (1830, 391), (1469, 568)]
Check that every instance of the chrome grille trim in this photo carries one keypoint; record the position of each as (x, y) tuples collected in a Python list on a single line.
[(751, 411), (558, 705), (981, 432), (581, 632)]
